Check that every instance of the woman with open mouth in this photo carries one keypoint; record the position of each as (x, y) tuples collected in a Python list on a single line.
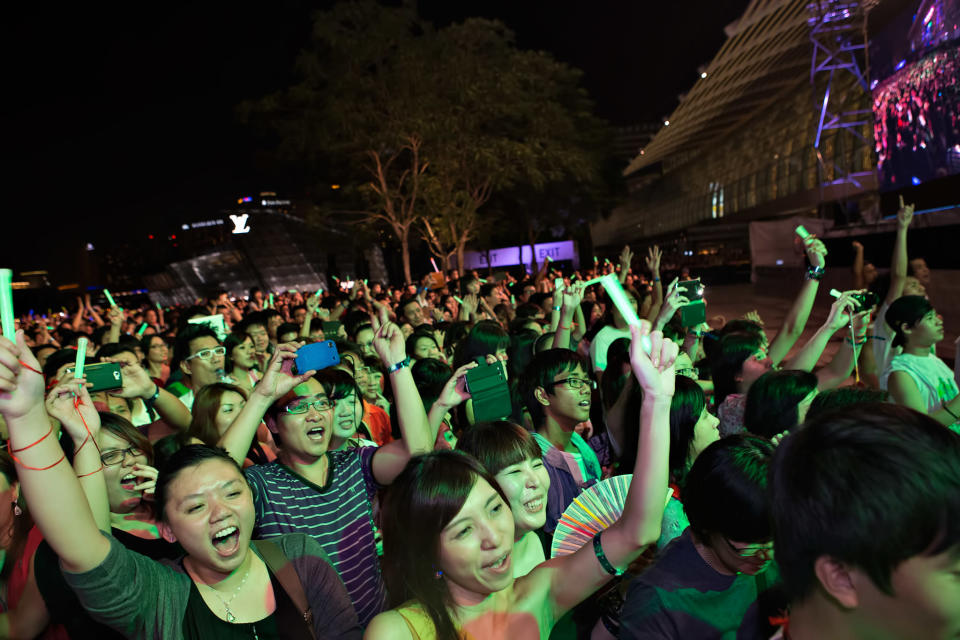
[(223, 587), (449, 535), (508, 452)]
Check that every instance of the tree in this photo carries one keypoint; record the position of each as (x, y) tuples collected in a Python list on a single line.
[(428, 124)]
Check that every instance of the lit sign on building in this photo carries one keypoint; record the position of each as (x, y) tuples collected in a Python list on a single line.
[(240, 223), (274, 203), (508, 256)]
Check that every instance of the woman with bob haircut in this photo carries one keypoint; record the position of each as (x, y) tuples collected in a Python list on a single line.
[(223, 587), (510, 454), (449, 534)]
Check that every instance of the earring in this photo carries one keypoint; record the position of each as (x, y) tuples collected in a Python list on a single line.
[(17, 510)]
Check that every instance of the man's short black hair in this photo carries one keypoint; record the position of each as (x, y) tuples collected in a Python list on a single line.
[(181, 349), (540, 373), (725, 492), (869, 485), (113, 348)]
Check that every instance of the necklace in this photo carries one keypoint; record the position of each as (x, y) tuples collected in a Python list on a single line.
[(226, 602)]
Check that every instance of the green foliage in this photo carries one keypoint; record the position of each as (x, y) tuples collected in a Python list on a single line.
[(425, 125)]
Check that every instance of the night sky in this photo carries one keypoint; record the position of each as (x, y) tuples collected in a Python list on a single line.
[(120, 117)]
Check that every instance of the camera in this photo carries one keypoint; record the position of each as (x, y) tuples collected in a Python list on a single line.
[(865, 300)]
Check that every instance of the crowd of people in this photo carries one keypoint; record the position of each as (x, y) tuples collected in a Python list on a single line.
[(917, 120), (219, 491)]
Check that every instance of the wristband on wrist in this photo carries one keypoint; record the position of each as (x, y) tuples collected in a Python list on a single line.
[(156, 394), (602, 557), (656, 279), (814, 273), (400, 365), (557, 308)]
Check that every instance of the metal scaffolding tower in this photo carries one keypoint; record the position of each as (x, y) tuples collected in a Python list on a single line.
[(838, 35)]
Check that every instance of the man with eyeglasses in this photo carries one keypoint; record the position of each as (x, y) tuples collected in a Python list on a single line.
[(200, 357), (718, 578), (558, 393)]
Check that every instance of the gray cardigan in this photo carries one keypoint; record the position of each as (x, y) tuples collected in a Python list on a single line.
[(144, 599)]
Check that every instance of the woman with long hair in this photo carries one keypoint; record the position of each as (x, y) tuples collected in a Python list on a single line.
[(156, 357), (510, 454), (692, 429), (215, 408), (449, 536), (223, 587), (241, 360)]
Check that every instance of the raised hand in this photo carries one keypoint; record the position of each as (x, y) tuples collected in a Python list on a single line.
[(388, 340), (148, 479), (840, 311), (626, 258), (904, 214), (572, 296), (276, 382), (654, 372), (70, 403), (455, 392), (857, 247), (21, 383), (816, 251), (136, 381), (115, 316), (753, 316), (653, 259)]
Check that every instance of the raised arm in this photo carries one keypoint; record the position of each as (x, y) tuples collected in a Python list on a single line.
[(796, 320), (674, 300), (274, 385), (576, 576), (626, 259), (806, 359), (57, 503), (841, 366), (653, 265), (453, 394), (858, 282), (71, 405), (312, 303), (899, 261), (572, 297), (390, 459), (138, 384)]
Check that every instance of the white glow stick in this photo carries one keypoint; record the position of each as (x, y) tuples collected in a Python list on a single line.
[(835, 293), (81, 358), (6, 305), (593, 281), (619, 297), (106, 292)]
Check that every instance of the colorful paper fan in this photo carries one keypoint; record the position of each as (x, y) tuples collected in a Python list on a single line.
[(591, 512)]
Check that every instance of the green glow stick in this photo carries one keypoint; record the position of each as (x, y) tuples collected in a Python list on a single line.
[(106, 292), (270, 300), (6, 305), (619, 298), (557, 284), (549, 259), (513, 300), (593, 281), (596, 259), (142, 328), (482, 280), (158, 306), (319, 291), (81, 358), (459, 301), (365, 281)]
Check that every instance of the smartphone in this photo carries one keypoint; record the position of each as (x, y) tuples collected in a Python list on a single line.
[(316, 356), (489, 391), (104, 376), (692, 289), (693, 314), (331, 328)]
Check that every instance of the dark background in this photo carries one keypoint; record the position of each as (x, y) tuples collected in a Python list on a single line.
[(121, 119)]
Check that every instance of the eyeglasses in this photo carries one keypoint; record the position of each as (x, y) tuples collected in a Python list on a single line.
[(690, 372), (206, 354), (116, 456), (575, 384), (320, 404), (752, 550)]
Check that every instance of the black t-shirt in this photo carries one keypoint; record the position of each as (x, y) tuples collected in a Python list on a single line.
[(62, 603), (200, 623)]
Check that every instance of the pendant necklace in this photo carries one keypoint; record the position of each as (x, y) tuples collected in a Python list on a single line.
[(226, 602)]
